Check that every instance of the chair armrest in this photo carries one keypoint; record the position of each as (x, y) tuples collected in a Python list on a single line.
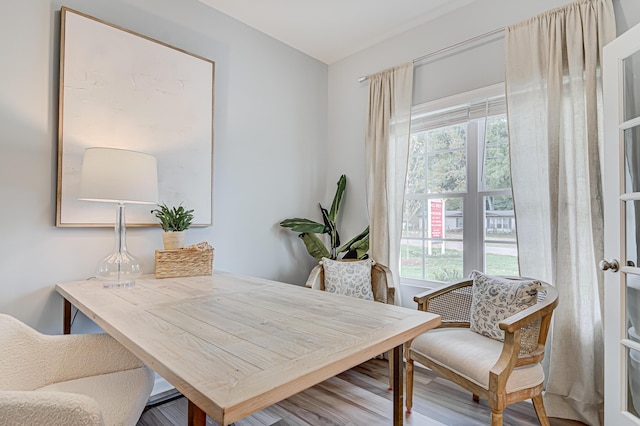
[(48, 408), (542, 312), (422, 299), (82, 355), (315, 278), (391, 295), (508, 360), (532, 313), (382, 284), (451, 301), (510, 357)]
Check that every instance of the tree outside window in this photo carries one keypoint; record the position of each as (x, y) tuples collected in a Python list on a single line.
[(458, 174)]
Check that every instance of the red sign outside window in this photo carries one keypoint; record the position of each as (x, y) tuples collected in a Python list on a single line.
[(435, 219)]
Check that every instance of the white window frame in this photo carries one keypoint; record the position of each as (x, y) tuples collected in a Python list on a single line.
[(473, 208)]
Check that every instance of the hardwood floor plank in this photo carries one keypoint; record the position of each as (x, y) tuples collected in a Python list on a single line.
[(360, 396)]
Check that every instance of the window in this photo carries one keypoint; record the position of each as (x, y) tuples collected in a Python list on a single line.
[(458, 210)]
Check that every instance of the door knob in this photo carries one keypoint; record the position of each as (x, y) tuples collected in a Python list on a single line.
[(612, 264)]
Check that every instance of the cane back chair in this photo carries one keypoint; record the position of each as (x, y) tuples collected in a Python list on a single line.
[(500, 372)]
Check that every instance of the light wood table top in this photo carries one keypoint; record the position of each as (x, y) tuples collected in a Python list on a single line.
[(236, 344)]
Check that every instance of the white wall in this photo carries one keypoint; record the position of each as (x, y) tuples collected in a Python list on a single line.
[(470, 67), (269, 150), (271, 155)]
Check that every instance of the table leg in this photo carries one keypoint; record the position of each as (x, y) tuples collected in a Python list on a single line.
[(196, 416), (66, 320), (397, 386)]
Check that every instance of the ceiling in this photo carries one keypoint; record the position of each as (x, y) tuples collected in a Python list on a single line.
[(329, 30)]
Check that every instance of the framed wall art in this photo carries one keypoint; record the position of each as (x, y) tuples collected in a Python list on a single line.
[(120, 89)]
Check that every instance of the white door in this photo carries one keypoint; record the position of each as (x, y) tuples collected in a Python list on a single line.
[(621, 80)]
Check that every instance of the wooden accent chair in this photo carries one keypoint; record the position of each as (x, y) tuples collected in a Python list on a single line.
[(500, 372), (69, 380), (381, 277)]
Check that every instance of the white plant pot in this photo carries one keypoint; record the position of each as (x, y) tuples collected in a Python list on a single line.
[(173, 240)]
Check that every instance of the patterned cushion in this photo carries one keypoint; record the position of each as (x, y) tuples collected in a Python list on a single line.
[(495, 299), (349, 278)]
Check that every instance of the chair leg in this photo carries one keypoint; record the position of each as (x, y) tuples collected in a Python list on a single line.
[(496, 418), (390, 356), (409, 385), (476, 398), (538, 405)]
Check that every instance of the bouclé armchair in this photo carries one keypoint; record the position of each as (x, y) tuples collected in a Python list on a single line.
[(83, 380)]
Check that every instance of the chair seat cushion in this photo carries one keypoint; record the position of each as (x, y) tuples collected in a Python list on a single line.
[(118, 394), (472, 355)]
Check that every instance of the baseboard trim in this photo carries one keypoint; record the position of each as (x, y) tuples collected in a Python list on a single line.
[(160, 387)]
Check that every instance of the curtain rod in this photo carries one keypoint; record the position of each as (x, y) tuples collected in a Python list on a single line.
[(446, 49)]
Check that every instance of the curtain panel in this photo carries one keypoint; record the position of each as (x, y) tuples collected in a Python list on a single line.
[(387, 150), (554, 92)]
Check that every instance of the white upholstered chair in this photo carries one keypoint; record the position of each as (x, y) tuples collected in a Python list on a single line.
[(499, 372), (381, 286), (71, 380)]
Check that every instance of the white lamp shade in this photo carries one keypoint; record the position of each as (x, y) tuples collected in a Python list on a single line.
[(118, 175)]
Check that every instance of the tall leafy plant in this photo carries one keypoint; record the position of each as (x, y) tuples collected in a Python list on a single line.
[(356, 248)]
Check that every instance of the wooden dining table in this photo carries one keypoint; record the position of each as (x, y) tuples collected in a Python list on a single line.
[(233, 344)]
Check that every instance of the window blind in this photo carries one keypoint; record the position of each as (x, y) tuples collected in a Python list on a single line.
[(423, 119)]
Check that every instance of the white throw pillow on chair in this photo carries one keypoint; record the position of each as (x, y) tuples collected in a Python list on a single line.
[(497, 298), (349, 278)]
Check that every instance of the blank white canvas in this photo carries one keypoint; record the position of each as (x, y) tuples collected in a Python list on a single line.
[(125, 91)]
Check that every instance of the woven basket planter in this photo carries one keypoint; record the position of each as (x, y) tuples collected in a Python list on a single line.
[(189, 261)]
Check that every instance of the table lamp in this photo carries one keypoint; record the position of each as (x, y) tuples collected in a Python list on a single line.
[(118, 176)]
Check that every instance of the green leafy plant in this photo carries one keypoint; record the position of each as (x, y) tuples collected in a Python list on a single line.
[(173, 219), (356, 248)]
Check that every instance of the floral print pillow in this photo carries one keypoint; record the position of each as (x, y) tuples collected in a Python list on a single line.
[(495, 299), (349, 278)]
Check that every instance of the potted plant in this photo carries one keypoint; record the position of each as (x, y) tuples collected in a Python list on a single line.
[(356, 248), (174, 221)]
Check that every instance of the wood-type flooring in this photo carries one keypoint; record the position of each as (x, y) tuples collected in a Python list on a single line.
[(360, 397)]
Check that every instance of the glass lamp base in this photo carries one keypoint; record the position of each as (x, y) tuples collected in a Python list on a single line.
[(119, 269)]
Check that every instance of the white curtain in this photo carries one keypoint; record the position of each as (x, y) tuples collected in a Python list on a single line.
[(554, 106), (387, 150)]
